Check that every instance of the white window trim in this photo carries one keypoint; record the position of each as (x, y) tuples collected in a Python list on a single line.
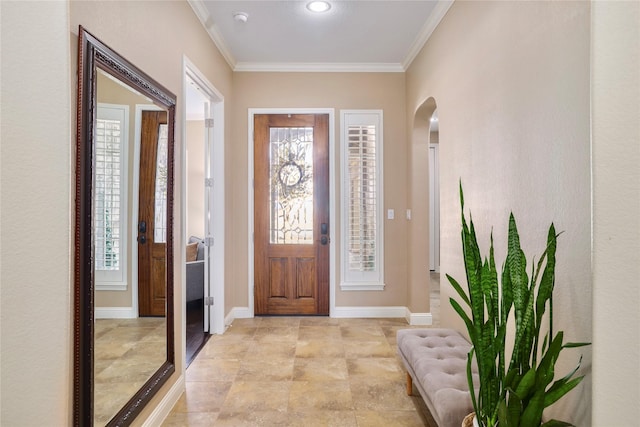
[(119, 280), (373, 281)]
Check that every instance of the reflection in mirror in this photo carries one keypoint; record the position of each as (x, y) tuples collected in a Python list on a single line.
[(127, 350), (124, 346)]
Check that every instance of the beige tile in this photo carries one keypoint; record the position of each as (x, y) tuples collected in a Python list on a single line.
[(320, 395), (361, 349), (320, 348), (271, 350), (323, 419), (213, 370), (253, 396), (237, 333), (362, 333), (235, 349), (319, 332), (250, 418), (203, 396), (381, 368), (267, 369), (319, 321), (191, 419), (389, 418), (276, 334), (320, 369), (280, 322), (380, 395)]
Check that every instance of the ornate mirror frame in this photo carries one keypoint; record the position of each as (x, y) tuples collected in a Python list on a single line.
[(94, 55)]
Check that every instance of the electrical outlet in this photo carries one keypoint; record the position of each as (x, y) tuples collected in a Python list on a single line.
[(391, 214)]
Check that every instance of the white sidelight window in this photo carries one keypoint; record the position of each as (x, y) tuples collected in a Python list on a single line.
[(362, 200), (110, 196)]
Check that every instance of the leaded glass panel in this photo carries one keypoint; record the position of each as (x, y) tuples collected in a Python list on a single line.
[(291, 185)]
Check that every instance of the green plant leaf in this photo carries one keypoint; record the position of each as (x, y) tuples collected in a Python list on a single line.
[(526, 384), (532, 414), (459, 289), (556, 423), (555, 393)]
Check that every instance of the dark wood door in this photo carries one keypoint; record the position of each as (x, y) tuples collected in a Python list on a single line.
[(152, 248), (291, 230)]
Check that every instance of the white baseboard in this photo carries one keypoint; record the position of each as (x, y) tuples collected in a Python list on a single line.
[(416, 319), (161, 412), (115, 313), (237, 313), (351, 312), (368, 312)]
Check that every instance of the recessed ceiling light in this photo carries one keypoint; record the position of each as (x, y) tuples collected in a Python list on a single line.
[(318, 6)]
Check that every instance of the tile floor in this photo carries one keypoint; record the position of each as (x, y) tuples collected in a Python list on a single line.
[(301, 371), (127, 353)]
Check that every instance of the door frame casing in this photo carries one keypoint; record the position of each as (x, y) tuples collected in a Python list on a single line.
[(217, 280), (332, 198)]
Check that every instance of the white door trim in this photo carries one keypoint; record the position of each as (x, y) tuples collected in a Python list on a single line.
[(332, 197), (216, 225)]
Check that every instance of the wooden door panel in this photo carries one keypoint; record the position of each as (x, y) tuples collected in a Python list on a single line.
[(278, 277), (152, 277), (291, 189), (306, 281)]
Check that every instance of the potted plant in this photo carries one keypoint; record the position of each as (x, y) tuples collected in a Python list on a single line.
[(513, 389)]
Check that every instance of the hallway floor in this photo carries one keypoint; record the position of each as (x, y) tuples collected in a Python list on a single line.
[(300, 371)]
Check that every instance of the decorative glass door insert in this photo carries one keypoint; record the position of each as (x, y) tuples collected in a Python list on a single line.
[(291, 185)]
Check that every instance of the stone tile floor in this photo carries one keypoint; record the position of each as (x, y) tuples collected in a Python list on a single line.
[(302, 371)]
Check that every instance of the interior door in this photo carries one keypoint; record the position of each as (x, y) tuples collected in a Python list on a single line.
[(291, 230), (152, 278)]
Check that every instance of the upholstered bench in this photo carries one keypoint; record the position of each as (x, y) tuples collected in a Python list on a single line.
[(436, 362)]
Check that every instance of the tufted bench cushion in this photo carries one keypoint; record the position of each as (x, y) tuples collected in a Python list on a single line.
[(436, 362)]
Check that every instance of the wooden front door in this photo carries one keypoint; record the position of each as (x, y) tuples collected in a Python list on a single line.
[(291, 230), (152, 248)]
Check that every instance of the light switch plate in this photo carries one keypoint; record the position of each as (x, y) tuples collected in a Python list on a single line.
[(391, 214)]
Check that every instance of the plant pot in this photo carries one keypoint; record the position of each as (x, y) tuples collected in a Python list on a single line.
[(470, 420)]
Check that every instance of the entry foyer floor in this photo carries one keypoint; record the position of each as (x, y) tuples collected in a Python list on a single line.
[(300, 371)]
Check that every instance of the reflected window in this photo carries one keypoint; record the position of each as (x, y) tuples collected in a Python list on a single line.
[(160, 220), (110, 187)]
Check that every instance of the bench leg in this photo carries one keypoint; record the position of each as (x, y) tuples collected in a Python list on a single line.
[(409, 385)]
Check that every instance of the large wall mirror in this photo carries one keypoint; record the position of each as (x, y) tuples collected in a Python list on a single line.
[(124, 339)]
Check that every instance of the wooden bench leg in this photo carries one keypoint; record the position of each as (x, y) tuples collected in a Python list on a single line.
[(409, 385)]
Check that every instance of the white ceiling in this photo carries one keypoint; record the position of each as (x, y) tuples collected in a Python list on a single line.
[(355, 35)]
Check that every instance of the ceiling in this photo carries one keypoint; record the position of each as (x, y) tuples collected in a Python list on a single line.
[(354, 35)]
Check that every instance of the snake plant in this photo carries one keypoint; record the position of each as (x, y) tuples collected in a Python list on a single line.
[(515, 390)]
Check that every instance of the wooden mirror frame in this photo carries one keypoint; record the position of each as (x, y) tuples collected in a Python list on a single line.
[(93, 54)]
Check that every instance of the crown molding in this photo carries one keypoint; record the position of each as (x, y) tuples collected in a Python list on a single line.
[(203, 15), (439, 11), (319, 67)]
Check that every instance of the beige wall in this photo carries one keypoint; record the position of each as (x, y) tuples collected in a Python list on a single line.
[(195, 178), (511, 83), (325, 90), (615, 65), (36, 217)]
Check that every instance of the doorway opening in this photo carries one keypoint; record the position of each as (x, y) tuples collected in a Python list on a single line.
[(434, 193), (203, 211)]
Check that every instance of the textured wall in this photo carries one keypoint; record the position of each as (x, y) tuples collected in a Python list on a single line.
[(616, 212), (511, 82), (36, 215)]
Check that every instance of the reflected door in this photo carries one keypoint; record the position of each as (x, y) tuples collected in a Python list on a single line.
[(152, 231), (291, 190)]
